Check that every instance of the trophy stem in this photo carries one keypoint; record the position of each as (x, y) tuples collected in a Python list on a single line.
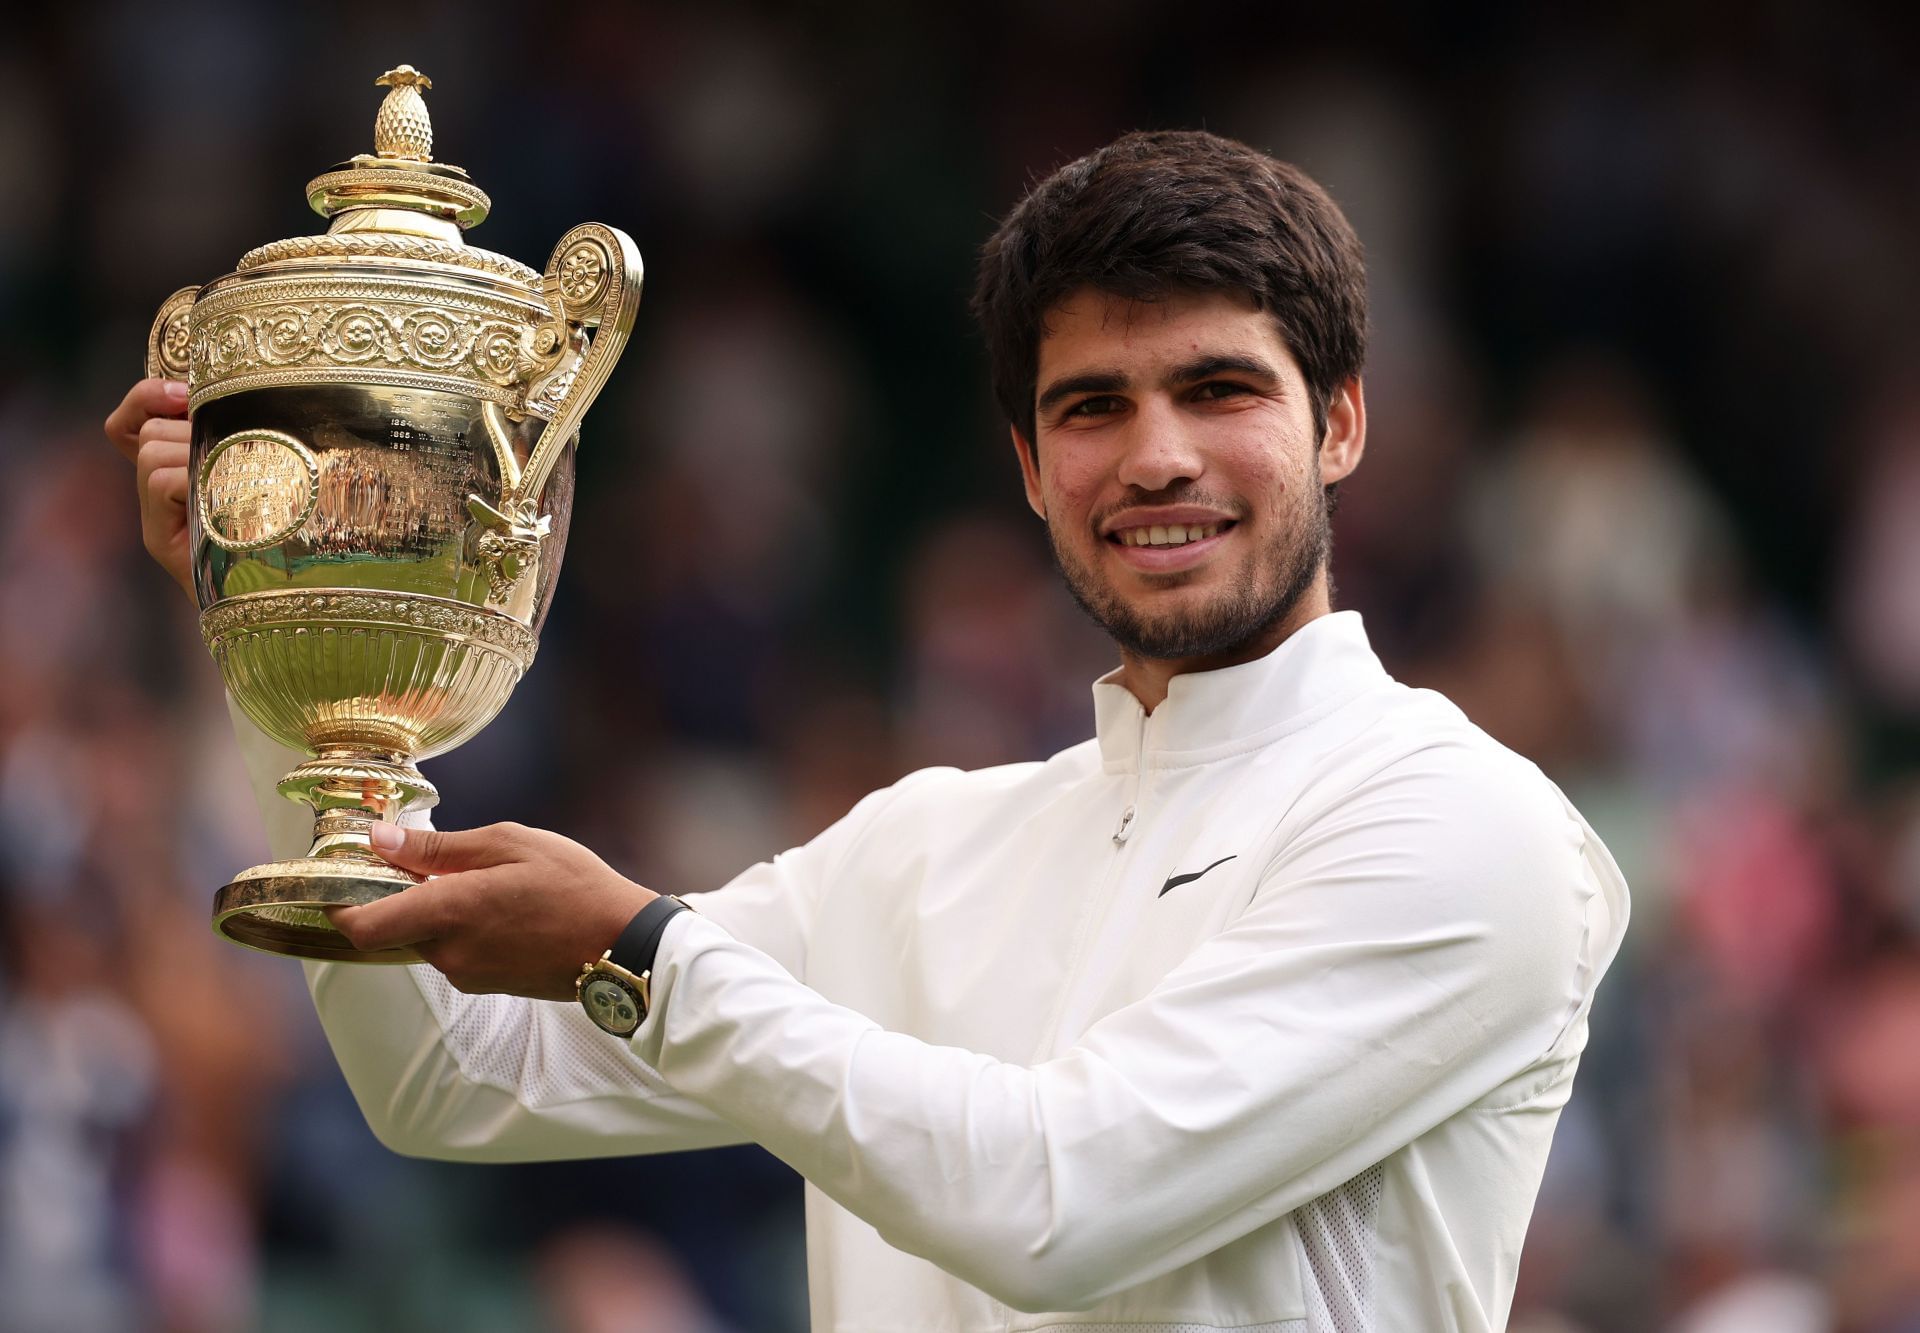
[(384, 427), (282, 907), (351, 788)]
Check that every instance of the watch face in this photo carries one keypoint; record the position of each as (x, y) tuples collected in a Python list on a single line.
[(610, 1005)]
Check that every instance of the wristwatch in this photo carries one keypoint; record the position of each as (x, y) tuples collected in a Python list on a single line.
[(617, 987)]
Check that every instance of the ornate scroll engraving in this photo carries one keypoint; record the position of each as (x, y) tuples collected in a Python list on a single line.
[(354, 246), (510, 399), (593, 280), (388, 608), (257, 487), (583, 275), (437, 616), (466, 199), (169, 340), (268, 333), (510, 546)]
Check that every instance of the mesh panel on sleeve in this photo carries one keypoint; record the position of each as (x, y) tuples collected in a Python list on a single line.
[(1337, 1232), (1279, 1326), (542, 1051)]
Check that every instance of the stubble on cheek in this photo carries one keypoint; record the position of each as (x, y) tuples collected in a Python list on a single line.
[(1271, 577)]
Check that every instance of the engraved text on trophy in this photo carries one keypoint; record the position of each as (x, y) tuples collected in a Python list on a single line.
[(257, 488)]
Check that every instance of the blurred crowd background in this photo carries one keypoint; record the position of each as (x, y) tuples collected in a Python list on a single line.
[(1643, 496)]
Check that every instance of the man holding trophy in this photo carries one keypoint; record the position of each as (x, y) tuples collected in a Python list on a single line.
[(1255, 1011)]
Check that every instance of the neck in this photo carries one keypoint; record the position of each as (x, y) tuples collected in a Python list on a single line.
[(1147, 678)]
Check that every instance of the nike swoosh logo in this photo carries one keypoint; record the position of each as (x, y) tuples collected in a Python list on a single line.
[(1175, 881)]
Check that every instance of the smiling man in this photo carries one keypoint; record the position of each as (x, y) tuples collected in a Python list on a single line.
[(1255, 1011), (1183, 476)]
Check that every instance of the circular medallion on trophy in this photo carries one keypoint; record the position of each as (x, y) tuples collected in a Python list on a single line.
[(384, 421), (257, 487)]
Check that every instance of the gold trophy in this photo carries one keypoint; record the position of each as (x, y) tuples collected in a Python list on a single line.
[(384, 421)]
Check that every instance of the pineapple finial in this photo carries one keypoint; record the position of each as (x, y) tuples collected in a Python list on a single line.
[(402, 129)]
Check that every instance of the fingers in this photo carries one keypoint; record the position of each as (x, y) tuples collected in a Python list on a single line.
[(174, 430), (161, 481), (443, 852), (513, 909), (162, 444), (163, 512), (436, 919), (426, 912), (163, 506), (146, 400)]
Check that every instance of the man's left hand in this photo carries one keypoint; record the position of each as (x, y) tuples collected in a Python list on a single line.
[(510, 909)]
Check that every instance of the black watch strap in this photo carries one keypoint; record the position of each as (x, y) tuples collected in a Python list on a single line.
[(640, 941)]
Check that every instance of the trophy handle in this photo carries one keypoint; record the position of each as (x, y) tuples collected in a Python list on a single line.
[(169, 346), (593, 279)]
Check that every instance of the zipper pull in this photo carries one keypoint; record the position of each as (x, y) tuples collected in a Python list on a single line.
[(1126, 824)]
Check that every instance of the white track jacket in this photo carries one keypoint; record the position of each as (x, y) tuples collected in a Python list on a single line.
[(1256, 1013)]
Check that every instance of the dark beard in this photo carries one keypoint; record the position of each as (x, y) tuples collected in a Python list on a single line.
[(1242, 615)]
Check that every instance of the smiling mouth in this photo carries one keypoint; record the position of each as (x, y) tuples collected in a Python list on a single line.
[(1168, 535)]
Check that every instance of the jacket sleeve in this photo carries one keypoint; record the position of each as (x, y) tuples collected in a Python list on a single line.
[(500, 1078), (1433, 937)]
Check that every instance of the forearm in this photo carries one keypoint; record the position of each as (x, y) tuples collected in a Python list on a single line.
[(1376, 987), (494, 1078), (484, 1078), (1049, 1187)]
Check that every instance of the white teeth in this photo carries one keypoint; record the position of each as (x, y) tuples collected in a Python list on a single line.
[(1170, 534)]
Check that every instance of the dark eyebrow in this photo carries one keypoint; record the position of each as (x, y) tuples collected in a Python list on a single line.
[(1113, 381), (1221, 364), (1091, 381)]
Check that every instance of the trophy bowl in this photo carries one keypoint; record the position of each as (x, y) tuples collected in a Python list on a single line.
[(384, 422)]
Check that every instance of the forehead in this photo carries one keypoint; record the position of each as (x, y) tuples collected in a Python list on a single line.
[(1095, 329)]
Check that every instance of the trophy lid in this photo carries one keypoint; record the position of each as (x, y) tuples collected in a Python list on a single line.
[(396, 203)]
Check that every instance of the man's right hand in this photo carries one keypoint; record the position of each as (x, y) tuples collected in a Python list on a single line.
[(150, 428)]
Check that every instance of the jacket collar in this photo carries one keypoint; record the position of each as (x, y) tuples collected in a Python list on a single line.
[(1208, 715)]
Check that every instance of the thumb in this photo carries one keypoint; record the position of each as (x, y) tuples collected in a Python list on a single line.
[(438, 851)]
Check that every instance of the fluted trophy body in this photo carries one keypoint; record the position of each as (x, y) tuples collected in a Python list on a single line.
[(384, 421)]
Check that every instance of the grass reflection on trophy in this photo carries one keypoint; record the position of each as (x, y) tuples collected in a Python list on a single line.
[(383, 422)]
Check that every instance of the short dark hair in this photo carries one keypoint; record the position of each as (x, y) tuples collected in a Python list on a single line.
[(1154, 213)]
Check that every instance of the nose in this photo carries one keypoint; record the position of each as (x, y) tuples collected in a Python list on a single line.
[(1159, 448)]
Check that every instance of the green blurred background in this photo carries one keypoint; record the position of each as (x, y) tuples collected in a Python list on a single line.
[(1643, 496)]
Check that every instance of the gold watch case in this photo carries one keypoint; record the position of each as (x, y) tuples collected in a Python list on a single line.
[(615, 999)]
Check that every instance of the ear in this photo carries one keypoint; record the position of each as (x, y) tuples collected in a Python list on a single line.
[(1029, 471), (1346, 437)]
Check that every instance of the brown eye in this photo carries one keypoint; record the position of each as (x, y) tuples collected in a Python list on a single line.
[(1214, 390)]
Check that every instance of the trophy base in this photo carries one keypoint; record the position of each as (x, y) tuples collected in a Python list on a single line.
[(281, 907)]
